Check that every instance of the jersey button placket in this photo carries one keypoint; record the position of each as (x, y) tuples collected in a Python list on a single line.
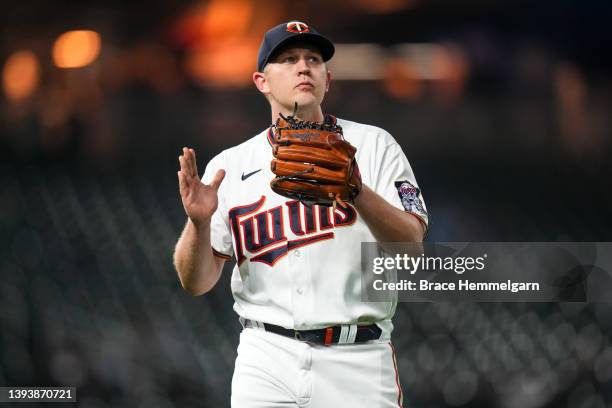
[(301, 278)]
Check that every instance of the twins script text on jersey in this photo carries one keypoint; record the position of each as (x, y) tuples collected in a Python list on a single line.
[(260, 230)]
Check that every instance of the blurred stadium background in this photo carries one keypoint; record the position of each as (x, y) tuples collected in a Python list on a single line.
[(503, 109)]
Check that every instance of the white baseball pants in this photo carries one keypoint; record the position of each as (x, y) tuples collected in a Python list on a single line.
[(274, 371)]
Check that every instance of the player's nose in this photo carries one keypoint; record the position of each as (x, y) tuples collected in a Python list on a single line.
[(302, 65)]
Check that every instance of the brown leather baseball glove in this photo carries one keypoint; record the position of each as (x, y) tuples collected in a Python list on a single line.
[(313, 163)]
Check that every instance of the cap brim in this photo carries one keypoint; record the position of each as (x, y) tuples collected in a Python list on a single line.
[(325, 46)]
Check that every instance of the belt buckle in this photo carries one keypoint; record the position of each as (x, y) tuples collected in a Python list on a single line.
[(297, 335)]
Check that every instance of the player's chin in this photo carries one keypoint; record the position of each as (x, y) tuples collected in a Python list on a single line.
[(308, 99)]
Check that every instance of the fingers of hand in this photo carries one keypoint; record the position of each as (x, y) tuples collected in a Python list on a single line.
[(182, 182), (187, 162), (193, 163), (188, 165), (184, 169), (216, 181)]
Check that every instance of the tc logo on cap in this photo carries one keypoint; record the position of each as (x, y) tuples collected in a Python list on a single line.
[(297, 27)]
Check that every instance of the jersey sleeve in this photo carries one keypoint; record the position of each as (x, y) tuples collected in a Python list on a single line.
[(394, 180), (220, 234)]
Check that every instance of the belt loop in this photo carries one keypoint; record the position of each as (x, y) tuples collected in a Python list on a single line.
[(344, 329), (255, 324), (251, 324), (352, 333), (329, 332)]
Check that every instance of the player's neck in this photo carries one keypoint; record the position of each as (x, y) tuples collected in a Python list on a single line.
[(312, 115)]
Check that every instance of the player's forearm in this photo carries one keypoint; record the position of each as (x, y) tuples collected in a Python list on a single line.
[(387, 223), (194, 260)]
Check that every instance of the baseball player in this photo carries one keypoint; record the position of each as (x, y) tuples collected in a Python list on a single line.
[(308, 340)]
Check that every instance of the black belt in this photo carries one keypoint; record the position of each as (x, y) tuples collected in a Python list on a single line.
[(329, 335)]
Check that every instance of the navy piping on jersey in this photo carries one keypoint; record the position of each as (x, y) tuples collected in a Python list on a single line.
[(270, 137), (221, 254)]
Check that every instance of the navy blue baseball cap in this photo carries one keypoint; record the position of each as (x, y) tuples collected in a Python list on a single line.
[(287, 33)]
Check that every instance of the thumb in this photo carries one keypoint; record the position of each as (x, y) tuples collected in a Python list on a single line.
[(216, 181)]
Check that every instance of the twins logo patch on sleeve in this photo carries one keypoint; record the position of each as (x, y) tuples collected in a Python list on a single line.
[(410, 196)]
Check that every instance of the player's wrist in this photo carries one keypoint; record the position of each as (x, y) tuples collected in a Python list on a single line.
[(200, 224), (362, 197)]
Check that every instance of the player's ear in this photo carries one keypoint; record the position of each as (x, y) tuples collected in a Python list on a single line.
[(328, 81), (259, 79)]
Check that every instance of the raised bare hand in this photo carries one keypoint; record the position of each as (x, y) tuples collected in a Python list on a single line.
[(199, 200)]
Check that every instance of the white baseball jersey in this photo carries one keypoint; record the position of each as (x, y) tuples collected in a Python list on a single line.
[(300, 267)]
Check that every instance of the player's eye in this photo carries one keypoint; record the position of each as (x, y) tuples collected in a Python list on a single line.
[(290, 59), (314, 58)]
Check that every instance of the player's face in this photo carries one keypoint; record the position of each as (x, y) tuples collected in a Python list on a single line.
[(297, 74)]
